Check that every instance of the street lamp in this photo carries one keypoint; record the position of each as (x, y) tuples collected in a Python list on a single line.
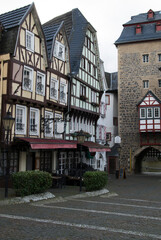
[(8, 121), (80, 138)]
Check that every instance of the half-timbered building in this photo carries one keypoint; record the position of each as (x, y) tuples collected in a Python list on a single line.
[(51, 84), (34, 89), (86, 83)]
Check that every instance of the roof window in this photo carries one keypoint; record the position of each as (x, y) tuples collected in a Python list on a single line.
[(158, 26), (150, 14), (138, 29)]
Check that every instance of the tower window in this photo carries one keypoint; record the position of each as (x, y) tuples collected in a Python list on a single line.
[(146, 84), (146, 58)]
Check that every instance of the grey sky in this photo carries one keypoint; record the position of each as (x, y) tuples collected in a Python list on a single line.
[(106, 17)]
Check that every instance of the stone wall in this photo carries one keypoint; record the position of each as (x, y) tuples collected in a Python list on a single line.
[(131, 73)]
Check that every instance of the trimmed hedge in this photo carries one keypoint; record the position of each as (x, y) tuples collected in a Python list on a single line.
[(94, 180), (31, 182)]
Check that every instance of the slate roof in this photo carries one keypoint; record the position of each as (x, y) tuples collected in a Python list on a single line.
[(112, 81), (148, 29), (10, 22), (50, 32), (76, 26)]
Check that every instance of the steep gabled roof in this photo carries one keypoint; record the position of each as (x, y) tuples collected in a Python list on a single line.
[(11, 22), (50, 32), (76, 26), (148, 26), (153, 96)]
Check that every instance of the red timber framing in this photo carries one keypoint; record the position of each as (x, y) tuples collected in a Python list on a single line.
[(149, 120)]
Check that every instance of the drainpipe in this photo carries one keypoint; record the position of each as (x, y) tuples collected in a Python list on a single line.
[(1, 91), (70, 75)]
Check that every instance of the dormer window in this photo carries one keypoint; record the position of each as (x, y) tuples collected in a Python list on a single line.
[(150, 14), (59, 50), (158, 26), (29, 41), (138, 29)]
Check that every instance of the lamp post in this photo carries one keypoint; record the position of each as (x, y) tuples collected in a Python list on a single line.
[(8, 121), (81, 138)]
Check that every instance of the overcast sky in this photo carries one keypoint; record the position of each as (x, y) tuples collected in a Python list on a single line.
[(105, 16)]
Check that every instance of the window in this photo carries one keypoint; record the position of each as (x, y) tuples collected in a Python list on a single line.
[(59, 50), (45, 161), (158, 26), (108, 136), (159, 82), (82, 90), (157, 112), (28, 79), (107, 99), (29, 41), (142, 113), (94, 99), (146, 84), (20, 126), (34, 121), (40, 84), (49, 124), (94, 71), (89, 67), (83, 63), (145, 58), (149, 112), (54, 89), (159, 57), (138, 29), (63, 92)]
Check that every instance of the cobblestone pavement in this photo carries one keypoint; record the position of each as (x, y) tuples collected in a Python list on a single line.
[(132, 210)]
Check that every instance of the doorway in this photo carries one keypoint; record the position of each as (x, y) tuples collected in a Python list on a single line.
[(30, 164)]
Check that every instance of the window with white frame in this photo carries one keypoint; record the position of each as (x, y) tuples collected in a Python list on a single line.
[(157, 112), (159, 83), (94, 99), (54, 89), (149, 112), (29, 41), (49, 124), (107, 99), (34, 121), (63, 92), (40, 84), (146, 58), (27, 79), (20, 126), (146, 84), (59, 50), (142, 113), (159, 57)]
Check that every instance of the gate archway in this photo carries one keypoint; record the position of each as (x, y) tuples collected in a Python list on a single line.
[(147, 159)]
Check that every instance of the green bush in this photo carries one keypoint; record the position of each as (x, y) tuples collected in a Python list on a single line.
[(31, 182), (94, 180)]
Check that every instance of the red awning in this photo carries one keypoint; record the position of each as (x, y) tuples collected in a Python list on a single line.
[(40, 143), (95, 147)]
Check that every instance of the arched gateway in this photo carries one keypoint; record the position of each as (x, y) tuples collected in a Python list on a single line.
[(147, 159)]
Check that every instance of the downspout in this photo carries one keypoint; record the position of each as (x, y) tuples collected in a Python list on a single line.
[(1, 84)]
